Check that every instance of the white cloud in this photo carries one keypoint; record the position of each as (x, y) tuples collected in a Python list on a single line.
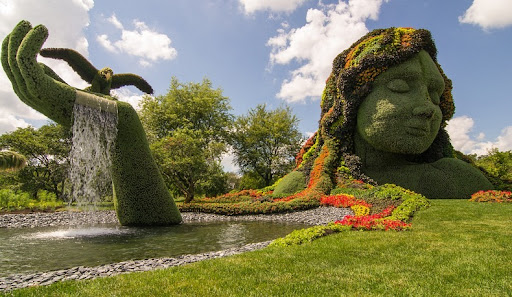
[(329, 30), (460, 128), (489, 14), (142, 42), (126, 95), (251, 6), (114, 21), (104, 42), (227, 162), (65, 21), (8, 122)]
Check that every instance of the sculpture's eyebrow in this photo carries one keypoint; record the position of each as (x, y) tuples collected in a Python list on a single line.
[(403, 74)]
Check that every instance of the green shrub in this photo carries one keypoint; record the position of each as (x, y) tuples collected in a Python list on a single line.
[(298, 237), (11, 200), (291, 183), (243, 208)]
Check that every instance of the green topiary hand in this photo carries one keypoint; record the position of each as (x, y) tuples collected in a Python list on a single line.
[(141, 196), (36, 84)]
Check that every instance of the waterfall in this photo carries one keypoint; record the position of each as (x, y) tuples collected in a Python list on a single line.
[(94, 133)]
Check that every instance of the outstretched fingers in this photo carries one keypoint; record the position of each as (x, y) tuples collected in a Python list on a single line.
[(54, 99), (15, 39), (4, 57), (26, 57)]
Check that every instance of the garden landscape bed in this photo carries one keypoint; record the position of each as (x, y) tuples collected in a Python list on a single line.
[(456, 248)]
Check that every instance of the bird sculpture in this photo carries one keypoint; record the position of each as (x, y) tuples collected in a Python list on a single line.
[(102, 81)]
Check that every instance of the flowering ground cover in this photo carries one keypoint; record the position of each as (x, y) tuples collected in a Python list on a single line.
[(492, 196)]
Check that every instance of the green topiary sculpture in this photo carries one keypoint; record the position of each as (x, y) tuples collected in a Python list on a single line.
[(10, 160), (141, 197), (383, 113), (102, 81)]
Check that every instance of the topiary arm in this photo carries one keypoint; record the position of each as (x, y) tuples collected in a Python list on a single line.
[(78, 62), (128, 79)]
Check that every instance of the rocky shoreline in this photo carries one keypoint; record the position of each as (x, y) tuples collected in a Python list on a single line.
[(317, 216)]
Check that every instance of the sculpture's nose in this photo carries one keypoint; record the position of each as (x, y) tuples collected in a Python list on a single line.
[(425, 111)]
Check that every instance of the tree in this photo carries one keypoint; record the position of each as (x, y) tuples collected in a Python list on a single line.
[(265, 142), (498, 165), (188, 129), (46, 150)]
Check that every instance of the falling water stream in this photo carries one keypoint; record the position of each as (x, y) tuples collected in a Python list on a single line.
[(94, 134)]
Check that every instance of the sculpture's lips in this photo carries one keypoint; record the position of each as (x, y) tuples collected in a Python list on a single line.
[(417, 130)]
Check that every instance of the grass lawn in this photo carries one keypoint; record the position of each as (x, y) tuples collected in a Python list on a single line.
[(456, 248)]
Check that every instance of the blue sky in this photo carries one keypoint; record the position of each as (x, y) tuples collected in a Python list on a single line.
[(275, 51)]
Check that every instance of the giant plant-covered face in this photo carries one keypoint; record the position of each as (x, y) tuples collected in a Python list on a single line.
[(402, 113)]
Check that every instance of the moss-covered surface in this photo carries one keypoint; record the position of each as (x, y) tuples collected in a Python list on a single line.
[(141, 197), (290, 184)]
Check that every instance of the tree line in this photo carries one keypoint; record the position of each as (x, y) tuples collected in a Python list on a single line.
[(189, 129)]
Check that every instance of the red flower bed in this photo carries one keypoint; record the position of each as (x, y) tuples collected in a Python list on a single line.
[(374, 222), (343, 200), (492, 196)]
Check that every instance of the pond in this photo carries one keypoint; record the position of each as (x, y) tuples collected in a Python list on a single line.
[(30, 250)]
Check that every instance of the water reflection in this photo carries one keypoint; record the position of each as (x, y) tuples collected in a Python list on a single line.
[(80, 232)]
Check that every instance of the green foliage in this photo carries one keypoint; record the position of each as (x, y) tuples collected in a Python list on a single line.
[(265, 142), (16, 200), (251, 180), (290, 184), (498, 166), (216, 181), (46, 150), (252, 206), (196, 106), (184, 162), (188, 129), (11, 200), (306, 235)]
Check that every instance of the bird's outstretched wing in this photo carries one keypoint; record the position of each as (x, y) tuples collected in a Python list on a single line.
[(128, 79), (78, 62)]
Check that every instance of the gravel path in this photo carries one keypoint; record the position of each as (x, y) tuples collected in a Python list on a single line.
[(317, 216)]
